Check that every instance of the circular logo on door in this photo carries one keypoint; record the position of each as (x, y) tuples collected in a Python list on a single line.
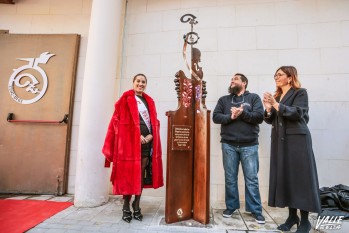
[(29, 82)]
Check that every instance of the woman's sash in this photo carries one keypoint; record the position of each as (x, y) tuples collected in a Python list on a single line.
[(143, 111)]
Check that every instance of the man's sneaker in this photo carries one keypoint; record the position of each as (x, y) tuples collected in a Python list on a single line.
[(228, 213), (259, 218)]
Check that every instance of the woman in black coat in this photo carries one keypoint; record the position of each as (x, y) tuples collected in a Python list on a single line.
[(293, 176)]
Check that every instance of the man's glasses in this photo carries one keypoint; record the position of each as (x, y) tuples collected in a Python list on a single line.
[(238, 103)]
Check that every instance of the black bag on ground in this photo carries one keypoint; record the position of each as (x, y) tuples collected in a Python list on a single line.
[(335, 200)]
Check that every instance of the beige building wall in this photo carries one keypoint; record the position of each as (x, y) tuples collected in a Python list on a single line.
[(54, 17), (253, 37)]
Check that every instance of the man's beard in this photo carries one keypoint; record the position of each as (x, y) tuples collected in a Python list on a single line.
[(235, 90)]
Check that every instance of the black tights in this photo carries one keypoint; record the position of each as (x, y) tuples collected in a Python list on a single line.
[(305, 225), (127, 198), (292, 219)]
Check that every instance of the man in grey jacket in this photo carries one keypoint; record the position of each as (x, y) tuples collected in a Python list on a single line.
[(240, 114)]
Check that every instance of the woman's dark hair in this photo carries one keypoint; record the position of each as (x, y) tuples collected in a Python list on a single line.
[(243, 78), (134, 78), (291, 72)]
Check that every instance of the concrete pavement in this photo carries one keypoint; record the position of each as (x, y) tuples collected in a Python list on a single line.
[(107, 218)]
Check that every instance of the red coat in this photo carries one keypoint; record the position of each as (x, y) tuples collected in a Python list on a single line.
[(122, 146)]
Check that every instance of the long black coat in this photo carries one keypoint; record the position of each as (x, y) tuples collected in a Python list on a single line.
[(293, 180)]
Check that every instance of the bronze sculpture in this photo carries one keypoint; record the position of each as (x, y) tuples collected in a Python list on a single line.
[(188, 148)]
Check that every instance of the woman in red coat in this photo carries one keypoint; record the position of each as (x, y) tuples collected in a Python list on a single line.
[(133, 145)]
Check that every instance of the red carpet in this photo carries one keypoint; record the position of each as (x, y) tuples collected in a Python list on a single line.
[(21, 215)]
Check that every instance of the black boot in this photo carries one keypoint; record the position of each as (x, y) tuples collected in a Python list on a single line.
[(126, 213), (305, 225), (290, 221), (136, 210)]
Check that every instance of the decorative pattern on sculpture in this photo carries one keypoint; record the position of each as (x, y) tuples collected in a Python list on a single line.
[(187, 93)]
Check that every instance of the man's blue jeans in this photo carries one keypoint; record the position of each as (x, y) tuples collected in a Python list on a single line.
[(232, 155)]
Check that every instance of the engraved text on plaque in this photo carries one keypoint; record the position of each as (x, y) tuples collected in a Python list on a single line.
[(181, 137)]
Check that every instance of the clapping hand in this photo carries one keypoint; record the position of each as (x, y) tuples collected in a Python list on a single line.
[(236, 112), (268, 101)]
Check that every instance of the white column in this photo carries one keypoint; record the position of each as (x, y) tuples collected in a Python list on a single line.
[(92, 179)]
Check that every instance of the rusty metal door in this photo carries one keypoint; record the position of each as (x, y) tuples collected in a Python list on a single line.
[(37, 80)]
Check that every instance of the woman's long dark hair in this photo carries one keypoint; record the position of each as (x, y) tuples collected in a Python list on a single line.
[(134, 78)]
